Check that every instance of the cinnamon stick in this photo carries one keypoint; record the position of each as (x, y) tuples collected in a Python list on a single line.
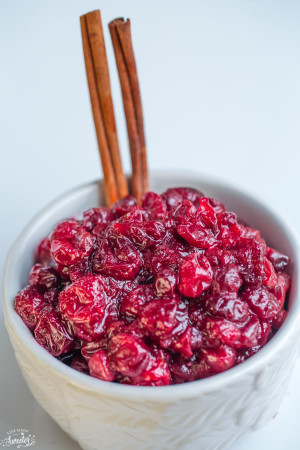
[(122, 43), (102, 106)]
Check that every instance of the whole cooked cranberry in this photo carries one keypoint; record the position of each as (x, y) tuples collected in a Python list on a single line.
[(165, 282), (128, 354), (76, 271), (79, 363), (219, 257), (270, 278), (44, 277), (227, 305), (219, 359), (124, 206), (250, 332), (226, 279), (198, 235), (99, 366), (51, 334), (117, 258), (96, 220), (172, 197), (87, 306), (195, 275), (230, 230), (87, 350), (154, 204), (183, 343), (43, 254), (282, 287), (138, 297), (183, 369), (279, 260), (165, 257), (29, 303), (143, 235), (262, 302), (157, 372), (220, 331), (250, 260), (70, 243), (184, 213), (207, 216)]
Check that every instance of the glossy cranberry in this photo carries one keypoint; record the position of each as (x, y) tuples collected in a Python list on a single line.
[(117, 258), (87, 306), (262, 302), (29, 303), (138, 297), (96, 220), (279, 260), (128, 355), (221, 331), (43, 254), (78, 363), (174, 196), (173, 291), (124, 206), (195, 275), (70, 243), (165, 282), (154, 204), (44, 277), (228, 306), (219, 359), (51, 334), (99, 366)]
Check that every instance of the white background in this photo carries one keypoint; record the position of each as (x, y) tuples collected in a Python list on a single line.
[(221, 94)]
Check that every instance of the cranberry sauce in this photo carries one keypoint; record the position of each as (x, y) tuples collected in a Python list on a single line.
[(171, 291)]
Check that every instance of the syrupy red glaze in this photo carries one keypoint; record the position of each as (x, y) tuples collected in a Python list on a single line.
[(172, 291)]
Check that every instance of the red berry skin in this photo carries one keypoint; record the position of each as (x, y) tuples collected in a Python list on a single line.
[(51, 334), (220, 331), (128, 355), (278, 320), (134, 300), (99, 366), (154, 204), (96, 220), (250, 333), (143, 235), (227, 306), (279, 260), (226, 279), (195, 275), (43, 255), (117, 258), (87, 350), (220, 359), (173, 196), (86, 305), (282, 287), (78, 363), (124, 206), (157, 372), (270, 278), (165, 283), (262, 302), (44, 277), (70, 243), (29, 303)]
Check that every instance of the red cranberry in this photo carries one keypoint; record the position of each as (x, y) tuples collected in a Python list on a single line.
[(138, 297), (144, 235), (250, 332), (195, 275), (117, 258), (174, 196), (70, 243), (43, 255), (86, 305), (219, 359), (165, 283), (29, 303), (44, 277), (99, 366), (228, 306), (96, 220), (278, 320), (87, 350), (157, 372), (220, 331), (78, 363), (262, 302), (282, 287), (124, 206), (51, 334), (270, 278), (226, 279), (128, 355), (279, 260), (154, 204)]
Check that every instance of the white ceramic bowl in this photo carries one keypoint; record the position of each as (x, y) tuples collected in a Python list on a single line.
[(205, 414)]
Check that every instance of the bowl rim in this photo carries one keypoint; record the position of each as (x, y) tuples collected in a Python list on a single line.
[(159, 393)]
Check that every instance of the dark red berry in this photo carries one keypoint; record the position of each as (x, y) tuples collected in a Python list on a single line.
[(195, 275)]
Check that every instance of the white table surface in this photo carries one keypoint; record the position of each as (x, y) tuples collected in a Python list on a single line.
[(220, 85)]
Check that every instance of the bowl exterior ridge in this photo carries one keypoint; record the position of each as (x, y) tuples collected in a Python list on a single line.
[(210, 415)]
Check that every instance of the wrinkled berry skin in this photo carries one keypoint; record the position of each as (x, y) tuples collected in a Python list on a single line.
[(170, 291)]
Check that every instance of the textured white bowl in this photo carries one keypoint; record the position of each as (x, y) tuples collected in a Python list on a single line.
[(206, 414)]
